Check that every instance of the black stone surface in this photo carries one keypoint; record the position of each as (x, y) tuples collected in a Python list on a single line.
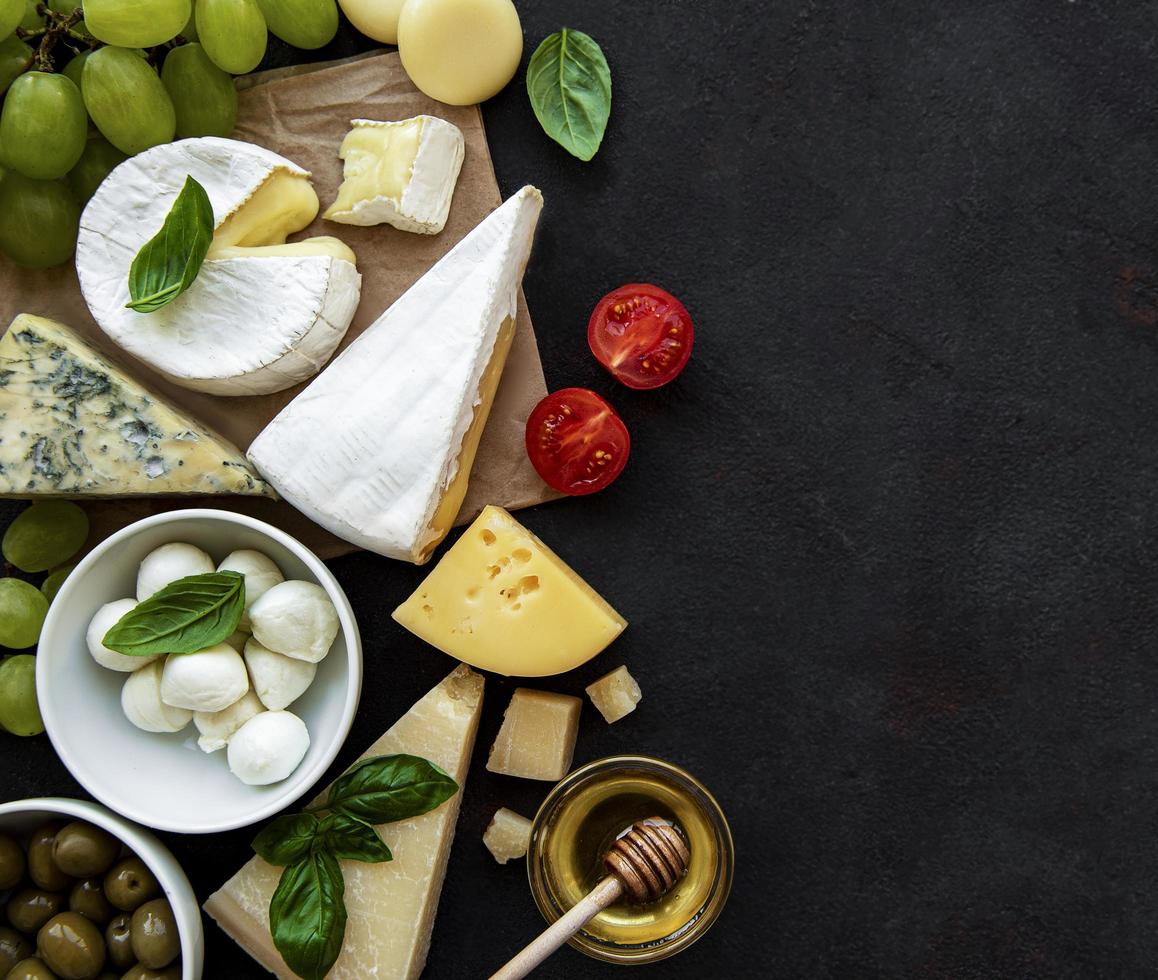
[(888, 546)]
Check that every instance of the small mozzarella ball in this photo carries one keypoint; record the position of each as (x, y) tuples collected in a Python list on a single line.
[(268, 747), (278, 680), (297, 619), (261, 575), (209, 680), (106, 617), (218, 727), (169, 563), (142, 704)]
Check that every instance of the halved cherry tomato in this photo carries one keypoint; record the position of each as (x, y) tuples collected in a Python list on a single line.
[(576, 441), (642, 334)]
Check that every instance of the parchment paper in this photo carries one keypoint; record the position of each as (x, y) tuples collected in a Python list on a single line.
[(303, 114)]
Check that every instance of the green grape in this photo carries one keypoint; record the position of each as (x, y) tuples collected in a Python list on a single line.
[(75, 68), (14, 55), (96, 163), (32, 21), (45, 535), (38, 221), (127, 101), (136, 23), (203, 95), (303, 23), (66, 7), (55, 579), (189, 31), (22, 611), (19, 709), (43, 126), (11, 14), (233, 33)]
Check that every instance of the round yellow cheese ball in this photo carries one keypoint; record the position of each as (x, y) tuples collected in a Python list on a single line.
[(460, 51), (374, 18)]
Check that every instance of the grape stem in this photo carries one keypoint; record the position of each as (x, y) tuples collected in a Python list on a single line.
[(60, 26)]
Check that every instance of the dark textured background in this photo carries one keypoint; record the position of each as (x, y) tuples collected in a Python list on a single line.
[(888, 546)]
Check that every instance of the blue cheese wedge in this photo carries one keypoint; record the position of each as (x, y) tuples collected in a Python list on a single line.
[(74, 424)]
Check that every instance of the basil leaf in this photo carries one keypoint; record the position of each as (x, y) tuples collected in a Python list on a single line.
[(569, 85), (168, 263), (188, 615), (307, 914), (288, 839), (351, 840), (391, 787)]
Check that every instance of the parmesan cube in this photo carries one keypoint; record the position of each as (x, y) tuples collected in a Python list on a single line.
[(537, 737), (615, 694), (508, 835)]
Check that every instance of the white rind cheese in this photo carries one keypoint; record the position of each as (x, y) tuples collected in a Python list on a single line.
[(377, 445), (255, 320), (73, 423)]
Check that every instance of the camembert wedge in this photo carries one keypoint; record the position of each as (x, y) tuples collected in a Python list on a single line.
[(391, 906), (378, 448), (73, 423)]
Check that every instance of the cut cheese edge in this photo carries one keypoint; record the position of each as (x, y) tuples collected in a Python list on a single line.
[(391, 906), (73, 423)]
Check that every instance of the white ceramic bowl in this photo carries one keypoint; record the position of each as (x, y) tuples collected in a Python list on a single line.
[(24, 816), (166, 781)]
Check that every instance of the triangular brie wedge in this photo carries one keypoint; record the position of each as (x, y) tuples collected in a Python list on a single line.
[(73, 423), (391, 906), (378, 449), (262, 314)]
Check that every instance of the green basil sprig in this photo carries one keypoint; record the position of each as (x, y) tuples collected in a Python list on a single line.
[(307, 913), (168, 263), (188, 615), (569, 85)]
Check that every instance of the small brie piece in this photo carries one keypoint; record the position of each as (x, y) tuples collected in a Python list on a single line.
[(218, 727), (261, 575), (106, 617), (296, 619), (278, 680), (268, 747), (398, 173), (166, 564), (209, 680), (262, 314), (413, 393), (142, 704)]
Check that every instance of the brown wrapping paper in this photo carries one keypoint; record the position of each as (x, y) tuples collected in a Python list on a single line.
[(303, 114)]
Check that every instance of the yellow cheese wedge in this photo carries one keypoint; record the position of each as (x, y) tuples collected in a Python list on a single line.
[(501, 600), (391, 906)]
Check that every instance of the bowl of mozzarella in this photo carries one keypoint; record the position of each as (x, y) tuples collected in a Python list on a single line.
[(205, 741)]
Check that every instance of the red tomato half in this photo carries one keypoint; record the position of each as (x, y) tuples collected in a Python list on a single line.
[(642, 334), (576, 441)]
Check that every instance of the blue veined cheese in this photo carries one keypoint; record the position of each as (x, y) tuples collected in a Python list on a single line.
[(73, 423)]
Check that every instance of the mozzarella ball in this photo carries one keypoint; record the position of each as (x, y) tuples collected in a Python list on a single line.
[(142, 704), (268, 747), (278, 680), (209, 680), (261, 575), (297, 619), (218, 727), (106, 617), (169, 563)]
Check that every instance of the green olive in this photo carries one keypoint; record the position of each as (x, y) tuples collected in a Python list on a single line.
[(130, 884), (88, 898), (42, 868), (30, 908), (13, 948), (72, 946), (11, 863), (82, 850), (139, 972), (119, 941), (155, 940), (31, 969)]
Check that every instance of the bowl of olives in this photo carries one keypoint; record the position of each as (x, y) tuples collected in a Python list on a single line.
[(87, 895)]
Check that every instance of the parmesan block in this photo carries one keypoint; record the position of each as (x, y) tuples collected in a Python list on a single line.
[(537, 738), (508, 835), (391, 906), (615, 695)]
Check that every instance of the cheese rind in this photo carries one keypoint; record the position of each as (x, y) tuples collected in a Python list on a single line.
[(537, 737), (615, 695), (508, 835), (73, 423), (391, 906)]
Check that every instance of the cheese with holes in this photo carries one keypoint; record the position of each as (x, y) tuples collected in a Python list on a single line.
[(615, 695), (502, 600), (73, 423), (378, 448), (262, 314), (537, 738), (398, 173), (508, 835), (391, 906)]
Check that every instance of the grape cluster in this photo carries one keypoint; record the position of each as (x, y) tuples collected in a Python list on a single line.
[(85, 87)]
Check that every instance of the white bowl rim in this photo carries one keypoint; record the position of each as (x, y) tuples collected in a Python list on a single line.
[(299, 783)]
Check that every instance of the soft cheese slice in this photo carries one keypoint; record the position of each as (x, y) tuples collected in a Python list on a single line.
[(399, 173), (262, 314), (72, 422), (378, 449), (501, 600), (391, 906)]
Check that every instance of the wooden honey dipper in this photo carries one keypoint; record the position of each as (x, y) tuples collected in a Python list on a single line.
[(644, 864)]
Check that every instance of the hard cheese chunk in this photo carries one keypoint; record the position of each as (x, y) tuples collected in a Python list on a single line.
[(615, 695), (501, 600), (537, 738), (391, 906), (508, 835), (399, 173), (72, 422)]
